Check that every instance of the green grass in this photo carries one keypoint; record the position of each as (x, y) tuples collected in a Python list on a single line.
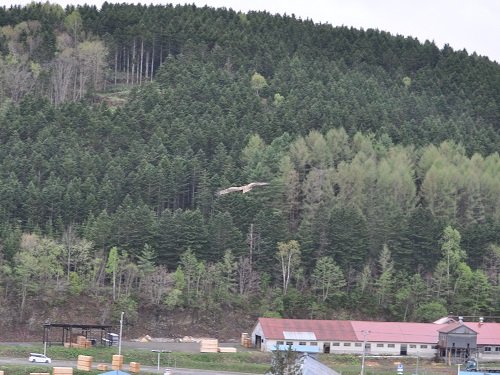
[(251, 362), (351, 365)]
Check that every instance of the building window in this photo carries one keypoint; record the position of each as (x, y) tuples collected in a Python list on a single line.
[(435, 346), (302, 343), (487, 348), (423, 346), (288, 343), (279, 342), (347, 344), (335, 343), (314, 343), (413, 346), (380, 345), (391, 345), (357, 344), (497, 348)]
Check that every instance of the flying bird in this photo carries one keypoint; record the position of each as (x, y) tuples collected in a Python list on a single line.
[(244, 189)]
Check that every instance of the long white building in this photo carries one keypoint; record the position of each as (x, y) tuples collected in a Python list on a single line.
[(380, 338)]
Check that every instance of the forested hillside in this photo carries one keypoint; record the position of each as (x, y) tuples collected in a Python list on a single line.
[(119, 125)]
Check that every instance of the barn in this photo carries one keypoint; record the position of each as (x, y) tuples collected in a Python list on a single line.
[(379, 338)]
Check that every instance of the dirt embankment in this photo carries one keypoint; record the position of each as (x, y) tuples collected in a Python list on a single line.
[(153, 321)]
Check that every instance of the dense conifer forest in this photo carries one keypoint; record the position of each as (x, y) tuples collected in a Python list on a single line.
[(119, 125)]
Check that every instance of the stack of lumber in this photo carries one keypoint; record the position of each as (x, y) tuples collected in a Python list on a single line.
[(62, 371), (247, 342), (135, 367), (226, 350), (102, 367), (244, 336), (117, 362), (82, 342), (84, 363), (1, 372), (209, 346)]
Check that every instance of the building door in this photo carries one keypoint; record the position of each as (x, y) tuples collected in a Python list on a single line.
[(326, 347), (258, 341), (403, 350)]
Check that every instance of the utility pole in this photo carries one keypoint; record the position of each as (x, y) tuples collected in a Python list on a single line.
[(365, 334), (159, 352)]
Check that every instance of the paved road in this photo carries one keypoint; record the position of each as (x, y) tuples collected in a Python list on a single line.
[(175, 371)]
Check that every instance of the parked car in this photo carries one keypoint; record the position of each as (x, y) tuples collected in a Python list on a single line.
[(39, 358)]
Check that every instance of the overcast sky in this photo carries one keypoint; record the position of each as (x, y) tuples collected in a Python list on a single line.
[(470, 24)]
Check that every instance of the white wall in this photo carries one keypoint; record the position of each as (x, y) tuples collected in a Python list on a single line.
[(351, 347)]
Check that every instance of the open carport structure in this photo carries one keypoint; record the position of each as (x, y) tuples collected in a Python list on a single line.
[(67, 332)]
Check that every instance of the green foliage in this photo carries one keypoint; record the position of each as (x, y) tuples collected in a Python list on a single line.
[(368, 141), (258, 82), (327, 278), (271, 314), (285, 362), (76, 285), (430, 312), (128, 306)]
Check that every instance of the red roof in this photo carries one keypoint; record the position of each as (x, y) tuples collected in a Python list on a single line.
[(393, 332), (487, 333), (390, 332), (323, 329)]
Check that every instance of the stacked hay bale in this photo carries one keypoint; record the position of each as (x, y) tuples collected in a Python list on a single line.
[(117, 362), (135, 367), (209, 346), (62, 371), (84, 363)]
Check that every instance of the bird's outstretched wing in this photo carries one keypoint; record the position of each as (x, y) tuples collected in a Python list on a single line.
[(230, 190), (251, 185), (243, 189)]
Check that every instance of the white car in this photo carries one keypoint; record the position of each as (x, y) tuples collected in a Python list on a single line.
[(39, 358)]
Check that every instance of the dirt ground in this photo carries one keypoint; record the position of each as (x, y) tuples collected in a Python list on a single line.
[(186, 347)]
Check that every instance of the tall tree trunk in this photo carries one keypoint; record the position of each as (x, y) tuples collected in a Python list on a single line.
[(142, 59), (161, 51), (23, 300), (133, 62), (116, 63), (152, 59), (128, 67)]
